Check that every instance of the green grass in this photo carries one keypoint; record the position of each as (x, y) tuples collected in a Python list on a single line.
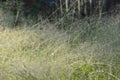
[(88, 50)]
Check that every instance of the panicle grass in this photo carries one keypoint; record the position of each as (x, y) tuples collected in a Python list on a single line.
[(87, 50)]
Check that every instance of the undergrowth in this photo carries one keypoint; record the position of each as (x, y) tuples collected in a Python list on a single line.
[(88, 50)]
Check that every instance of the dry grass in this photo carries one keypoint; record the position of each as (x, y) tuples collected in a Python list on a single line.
[(45, 53)]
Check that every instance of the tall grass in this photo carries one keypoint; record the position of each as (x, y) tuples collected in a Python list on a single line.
[(87, 50)]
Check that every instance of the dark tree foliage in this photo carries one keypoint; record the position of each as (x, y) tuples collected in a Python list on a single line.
[(41, 7), (47, 7)]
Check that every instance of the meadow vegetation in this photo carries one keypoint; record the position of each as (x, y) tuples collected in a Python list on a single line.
[(87, 49)]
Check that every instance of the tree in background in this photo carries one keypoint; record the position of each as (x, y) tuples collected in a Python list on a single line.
[(60, 7)]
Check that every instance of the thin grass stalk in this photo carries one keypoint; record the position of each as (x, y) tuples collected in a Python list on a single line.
[(85, 7), (100, 8), (90, 2), (61, 7), (79, 7), (66, 4), (16, 18)]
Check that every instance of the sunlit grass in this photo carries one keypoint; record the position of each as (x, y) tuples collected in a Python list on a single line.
[(43, 52)]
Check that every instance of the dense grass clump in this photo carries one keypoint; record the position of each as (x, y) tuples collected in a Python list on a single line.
[(87, 49)]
